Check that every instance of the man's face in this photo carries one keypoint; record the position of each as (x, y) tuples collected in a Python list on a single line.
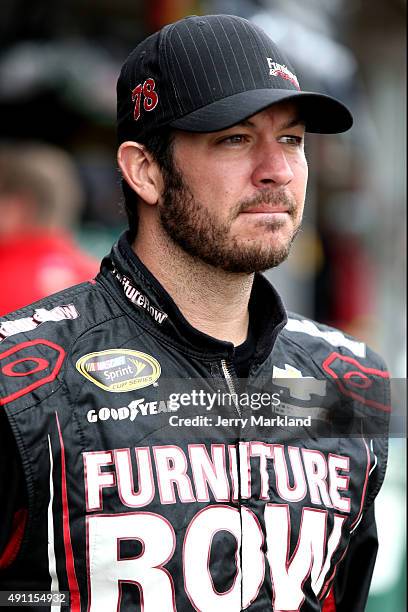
[(235, 198)]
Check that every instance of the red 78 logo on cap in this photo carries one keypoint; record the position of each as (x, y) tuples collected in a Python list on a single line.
[(149, 95)]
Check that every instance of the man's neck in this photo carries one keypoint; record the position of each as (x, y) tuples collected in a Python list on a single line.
[(212, 300)]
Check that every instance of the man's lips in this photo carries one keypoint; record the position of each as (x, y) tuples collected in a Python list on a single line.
[(265, 210)]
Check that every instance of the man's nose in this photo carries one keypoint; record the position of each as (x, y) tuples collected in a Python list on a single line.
[(272, 166)]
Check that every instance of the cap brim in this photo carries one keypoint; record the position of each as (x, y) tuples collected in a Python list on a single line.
[(321, 114)]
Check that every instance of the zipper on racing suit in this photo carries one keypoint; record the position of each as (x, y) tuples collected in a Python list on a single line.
[(230, 383), (231, 387)]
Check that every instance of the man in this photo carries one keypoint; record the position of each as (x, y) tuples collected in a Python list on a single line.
[(138, 498)]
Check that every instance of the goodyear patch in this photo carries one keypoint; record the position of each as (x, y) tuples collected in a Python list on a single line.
[(119, 370)]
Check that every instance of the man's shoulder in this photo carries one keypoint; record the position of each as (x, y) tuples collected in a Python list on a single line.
[(36, 341), (308, 348), (43, 316), (319, 339)]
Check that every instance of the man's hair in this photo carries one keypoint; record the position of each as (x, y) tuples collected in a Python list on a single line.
[(160, 146)]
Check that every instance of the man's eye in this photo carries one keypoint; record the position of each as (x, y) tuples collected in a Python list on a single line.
[(234, 139), (291, 139)]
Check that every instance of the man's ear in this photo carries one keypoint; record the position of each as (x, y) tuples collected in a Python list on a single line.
[(140, 171)]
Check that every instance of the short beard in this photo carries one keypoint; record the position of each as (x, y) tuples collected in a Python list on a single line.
[(189, 225)]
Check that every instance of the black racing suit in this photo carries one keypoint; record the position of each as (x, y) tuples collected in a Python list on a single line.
[(150, 483)]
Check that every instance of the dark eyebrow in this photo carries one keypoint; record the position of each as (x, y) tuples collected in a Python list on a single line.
[(285, 126), (292, 123), (244, 123)]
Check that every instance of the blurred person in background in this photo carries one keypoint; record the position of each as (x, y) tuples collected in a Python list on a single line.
[(40, 203)]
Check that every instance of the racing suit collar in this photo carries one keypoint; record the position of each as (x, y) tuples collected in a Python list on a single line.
[(141, 294)]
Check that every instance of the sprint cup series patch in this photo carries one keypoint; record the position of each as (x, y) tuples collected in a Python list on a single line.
[(119, 370)]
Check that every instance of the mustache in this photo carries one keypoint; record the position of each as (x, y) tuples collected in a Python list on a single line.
[(273, 198)]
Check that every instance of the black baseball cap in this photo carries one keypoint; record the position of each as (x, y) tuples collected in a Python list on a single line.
[(204, 74)]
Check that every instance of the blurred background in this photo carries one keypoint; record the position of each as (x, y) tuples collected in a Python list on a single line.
[(59, 187)]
